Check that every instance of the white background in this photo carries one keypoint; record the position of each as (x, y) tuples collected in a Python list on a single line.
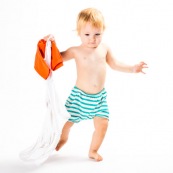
[(140, 134)]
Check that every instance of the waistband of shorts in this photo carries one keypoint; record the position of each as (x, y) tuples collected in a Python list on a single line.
[(75, 88)]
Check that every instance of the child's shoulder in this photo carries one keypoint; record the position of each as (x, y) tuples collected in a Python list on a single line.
[(106, 47), (73, 48), (73, 51)]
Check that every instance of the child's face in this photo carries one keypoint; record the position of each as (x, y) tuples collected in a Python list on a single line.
[(90, 36)]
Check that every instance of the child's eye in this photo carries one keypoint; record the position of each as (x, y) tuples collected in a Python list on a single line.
[(98, 34), (87, 34)]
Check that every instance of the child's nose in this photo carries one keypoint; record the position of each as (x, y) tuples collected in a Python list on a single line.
[(93, 37)]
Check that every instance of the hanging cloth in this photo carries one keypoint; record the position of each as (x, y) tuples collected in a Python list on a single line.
[(56, 117), (40, 64)]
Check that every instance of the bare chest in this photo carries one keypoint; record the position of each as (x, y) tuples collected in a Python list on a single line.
[(91, 60)]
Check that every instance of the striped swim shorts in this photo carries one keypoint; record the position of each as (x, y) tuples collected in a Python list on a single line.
[(83, 106)]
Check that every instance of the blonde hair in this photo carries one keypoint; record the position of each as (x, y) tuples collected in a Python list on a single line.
[(91, 15)]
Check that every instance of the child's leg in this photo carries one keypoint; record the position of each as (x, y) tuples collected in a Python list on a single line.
[(100, 125), (64, 135)]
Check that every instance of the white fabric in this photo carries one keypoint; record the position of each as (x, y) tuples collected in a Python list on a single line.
[(56, 117)]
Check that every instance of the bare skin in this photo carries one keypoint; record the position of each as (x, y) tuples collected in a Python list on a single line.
[(91, 58), (64, 135), (100, 125)]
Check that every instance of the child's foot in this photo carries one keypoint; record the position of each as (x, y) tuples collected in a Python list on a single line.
[(95, 156), (57, 148), (59, 145)]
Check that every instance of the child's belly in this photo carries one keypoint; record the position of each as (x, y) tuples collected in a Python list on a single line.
[(91, 84)]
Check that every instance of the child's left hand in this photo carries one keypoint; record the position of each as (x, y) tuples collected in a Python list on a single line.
[(139, 67)]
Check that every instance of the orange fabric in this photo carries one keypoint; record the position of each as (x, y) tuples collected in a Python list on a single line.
[(40, 64)]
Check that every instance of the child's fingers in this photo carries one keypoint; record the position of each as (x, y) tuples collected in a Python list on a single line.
[(143, 65), (50, 37), (143, 72)]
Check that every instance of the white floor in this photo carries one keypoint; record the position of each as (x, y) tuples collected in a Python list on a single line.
[(141, 145)]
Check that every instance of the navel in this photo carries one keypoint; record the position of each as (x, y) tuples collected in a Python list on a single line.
[(95, 85)]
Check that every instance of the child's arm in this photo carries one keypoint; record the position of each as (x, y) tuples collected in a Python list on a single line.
[(117, 65), (67, 54)]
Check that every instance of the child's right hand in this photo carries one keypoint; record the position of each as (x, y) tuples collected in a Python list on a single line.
[(50, 37)]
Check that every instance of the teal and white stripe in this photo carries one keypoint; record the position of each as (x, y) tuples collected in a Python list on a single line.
[(83, 106)]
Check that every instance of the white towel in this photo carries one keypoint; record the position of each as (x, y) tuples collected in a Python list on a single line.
[(56, 117)]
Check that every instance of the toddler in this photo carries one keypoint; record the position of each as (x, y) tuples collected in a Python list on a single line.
[(88, 97)]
